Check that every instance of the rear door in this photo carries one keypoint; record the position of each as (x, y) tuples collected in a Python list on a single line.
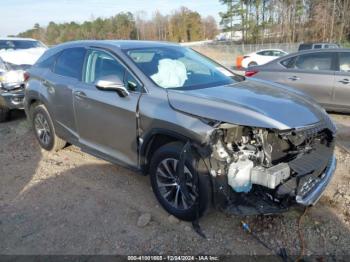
[(341, 97), (106, 122), (312, 73), (60, 84)]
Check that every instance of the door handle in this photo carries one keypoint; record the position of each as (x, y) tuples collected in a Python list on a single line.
[(45, 83), (80, 94), (344, 81), (293, 78)]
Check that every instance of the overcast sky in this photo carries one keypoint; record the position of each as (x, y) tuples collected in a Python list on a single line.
[(20, 15)]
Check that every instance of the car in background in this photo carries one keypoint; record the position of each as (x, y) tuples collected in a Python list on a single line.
[(16, 56), (324, 74), (306, 46), (200, 132), (261, 57)]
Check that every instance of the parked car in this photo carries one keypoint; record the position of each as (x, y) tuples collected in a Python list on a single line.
[(261, 57), (11, 89), (306, 46), (202, 133), (323, 74), (16, 55)]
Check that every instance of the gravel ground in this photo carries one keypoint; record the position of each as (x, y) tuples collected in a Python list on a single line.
[(72, 203)]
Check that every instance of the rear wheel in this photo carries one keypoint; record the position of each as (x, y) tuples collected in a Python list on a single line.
[(44, 129), (167, 187)]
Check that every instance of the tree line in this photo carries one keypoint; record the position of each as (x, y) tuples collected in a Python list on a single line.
[(182, 25), (291, 21)]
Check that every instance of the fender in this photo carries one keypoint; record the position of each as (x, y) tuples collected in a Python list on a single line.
[(145, 144)]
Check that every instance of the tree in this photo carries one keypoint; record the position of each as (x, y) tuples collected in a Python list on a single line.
[(288, 20), (183, 25)]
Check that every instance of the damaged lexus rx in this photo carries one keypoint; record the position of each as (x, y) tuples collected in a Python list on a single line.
[(203, 134)]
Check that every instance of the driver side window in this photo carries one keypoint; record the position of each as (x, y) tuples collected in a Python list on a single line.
[(100, 64)]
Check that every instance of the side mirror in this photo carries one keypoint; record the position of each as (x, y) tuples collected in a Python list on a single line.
[(112, 83)]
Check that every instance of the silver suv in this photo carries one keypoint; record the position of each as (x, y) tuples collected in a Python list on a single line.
[(203, 134)]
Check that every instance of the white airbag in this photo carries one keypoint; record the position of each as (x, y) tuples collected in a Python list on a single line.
[(171, 73)]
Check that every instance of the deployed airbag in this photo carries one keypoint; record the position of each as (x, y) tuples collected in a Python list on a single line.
[(171, 73)]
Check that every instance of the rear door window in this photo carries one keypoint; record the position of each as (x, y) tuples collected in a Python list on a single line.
[(70, 63), (264, 53), (277, 53), (48, 63), (344, 62), (315, 61)]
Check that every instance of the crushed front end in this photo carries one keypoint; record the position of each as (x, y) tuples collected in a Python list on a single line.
[(265, 171), (12, 88)]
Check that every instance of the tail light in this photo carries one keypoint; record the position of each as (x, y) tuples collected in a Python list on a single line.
[(246, 56), (250, 73), (26, 76)]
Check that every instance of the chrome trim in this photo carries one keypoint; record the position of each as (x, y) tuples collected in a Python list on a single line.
[(314, 195)]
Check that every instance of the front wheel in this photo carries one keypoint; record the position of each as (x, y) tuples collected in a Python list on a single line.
[(168, 188), (44, 129)]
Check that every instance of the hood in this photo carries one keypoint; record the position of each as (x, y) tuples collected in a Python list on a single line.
[(22, 56), (250, 103)]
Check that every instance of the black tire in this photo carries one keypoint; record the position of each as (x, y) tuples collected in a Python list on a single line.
[(4, 114), (252, 64), (199, 174), (53, 142)]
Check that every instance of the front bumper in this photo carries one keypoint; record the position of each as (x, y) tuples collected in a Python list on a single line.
[(314, 192), (12, 99)]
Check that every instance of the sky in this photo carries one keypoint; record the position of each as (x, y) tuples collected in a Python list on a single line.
[(20, 15)]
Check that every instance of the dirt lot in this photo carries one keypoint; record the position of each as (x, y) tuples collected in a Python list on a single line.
[(71, 203)]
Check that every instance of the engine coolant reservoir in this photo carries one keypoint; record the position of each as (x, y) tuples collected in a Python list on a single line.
[(239, 175)]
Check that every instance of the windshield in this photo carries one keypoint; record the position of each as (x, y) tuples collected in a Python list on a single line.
[(179, 67), (19, 44)]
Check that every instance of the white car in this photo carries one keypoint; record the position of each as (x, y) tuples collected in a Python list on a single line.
[(21, 51), (261, 57), (16, 56)]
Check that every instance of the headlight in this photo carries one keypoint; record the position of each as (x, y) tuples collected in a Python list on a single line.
[(13, 76)]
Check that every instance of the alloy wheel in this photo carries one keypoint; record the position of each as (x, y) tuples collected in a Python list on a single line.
[(42, 129), (169, 186)]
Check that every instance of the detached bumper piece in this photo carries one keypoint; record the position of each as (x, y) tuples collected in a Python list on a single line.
[(254, 203), (311, 189), (12, 99)]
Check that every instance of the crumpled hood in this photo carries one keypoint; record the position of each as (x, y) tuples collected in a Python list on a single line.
[(250, 103), (22, 56)]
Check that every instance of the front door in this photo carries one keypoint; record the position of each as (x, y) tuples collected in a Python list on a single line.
[(106, 121)]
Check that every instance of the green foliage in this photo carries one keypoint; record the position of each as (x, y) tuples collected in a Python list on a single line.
[(182, 26)]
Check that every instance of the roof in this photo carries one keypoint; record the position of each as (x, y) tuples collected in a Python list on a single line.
[(17, 39), (126, 44), (122, 44), (318, 43), (322, 50)]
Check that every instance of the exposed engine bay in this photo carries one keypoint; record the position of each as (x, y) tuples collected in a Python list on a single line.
[(267, 164)]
